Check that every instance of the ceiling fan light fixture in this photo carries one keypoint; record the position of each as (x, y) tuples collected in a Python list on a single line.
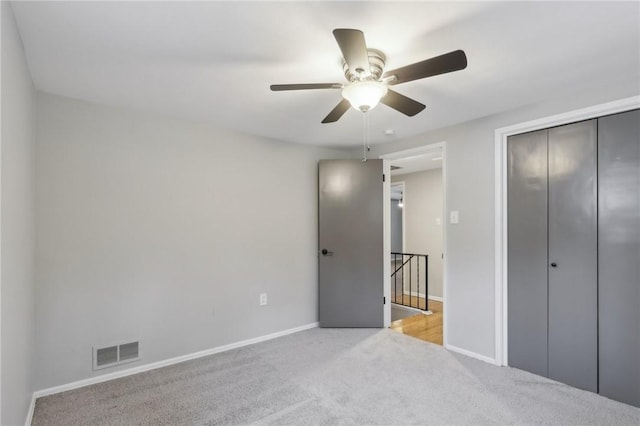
[(364, 95)]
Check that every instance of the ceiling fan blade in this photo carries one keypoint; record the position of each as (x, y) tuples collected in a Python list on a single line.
[(283, 87), (337, 112), (354, 50), (401, 103), (452, 61)]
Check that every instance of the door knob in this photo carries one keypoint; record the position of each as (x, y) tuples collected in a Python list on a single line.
[(554, 264), (326, 252)]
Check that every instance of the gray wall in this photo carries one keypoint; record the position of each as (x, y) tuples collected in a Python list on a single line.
[(396, 227), (469, 177), (17, 228), (423, 206), (166, 231)]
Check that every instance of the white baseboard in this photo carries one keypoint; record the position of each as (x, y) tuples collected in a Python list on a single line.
[(471, 354), (32, 407), (413, 293), (164, 363), (436, 298), (405, 308)]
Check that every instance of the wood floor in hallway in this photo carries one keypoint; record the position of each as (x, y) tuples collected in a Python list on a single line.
[(421, 326)]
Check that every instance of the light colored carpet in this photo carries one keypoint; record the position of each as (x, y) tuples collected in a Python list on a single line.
[(329, 377)]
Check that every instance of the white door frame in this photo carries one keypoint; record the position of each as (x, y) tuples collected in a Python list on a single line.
[(501, 249), (404, 234), (421, 150)]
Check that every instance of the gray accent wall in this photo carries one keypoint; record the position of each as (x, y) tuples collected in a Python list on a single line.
[(17, 226), (470, 189), (166, 231), (423, 207)]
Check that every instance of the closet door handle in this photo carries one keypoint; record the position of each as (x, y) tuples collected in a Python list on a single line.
[(554, 264)]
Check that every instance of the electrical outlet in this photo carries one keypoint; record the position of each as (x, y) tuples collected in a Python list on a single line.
[(263, 299)]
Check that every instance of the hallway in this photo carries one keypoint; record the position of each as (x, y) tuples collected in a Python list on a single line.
[(421, 326)]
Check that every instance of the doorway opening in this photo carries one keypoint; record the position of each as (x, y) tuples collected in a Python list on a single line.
[(417, 242)]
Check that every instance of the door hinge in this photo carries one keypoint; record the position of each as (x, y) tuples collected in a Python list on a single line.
[(384, 300), (383, 178)]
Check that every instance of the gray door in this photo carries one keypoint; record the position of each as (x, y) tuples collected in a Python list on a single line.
[(552, 253), (573, 255), (527, 255), (350, 252), (619, 256)]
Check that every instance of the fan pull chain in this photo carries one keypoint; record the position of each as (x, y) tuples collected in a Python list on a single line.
[(365, 143)]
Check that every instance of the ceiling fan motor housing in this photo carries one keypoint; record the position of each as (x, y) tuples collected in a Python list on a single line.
[(376, 65)]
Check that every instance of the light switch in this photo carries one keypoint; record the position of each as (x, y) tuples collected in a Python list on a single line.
[(438, 221), (454, 217)]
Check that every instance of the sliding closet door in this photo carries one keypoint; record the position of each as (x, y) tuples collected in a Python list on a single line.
[(527, 234), (573, 255), (619, 253)]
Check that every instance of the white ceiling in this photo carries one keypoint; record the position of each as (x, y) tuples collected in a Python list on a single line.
[(214, 61)]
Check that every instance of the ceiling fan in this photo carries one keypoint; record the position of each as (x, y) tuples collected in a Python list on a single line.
[(367, 85)]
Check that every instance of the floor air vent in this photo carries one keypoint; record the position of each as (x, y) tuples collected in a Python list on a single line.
[(113, 355)]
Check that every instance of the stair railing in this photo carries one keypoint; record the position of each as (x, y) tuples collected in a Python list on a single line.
[(412, 274)]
